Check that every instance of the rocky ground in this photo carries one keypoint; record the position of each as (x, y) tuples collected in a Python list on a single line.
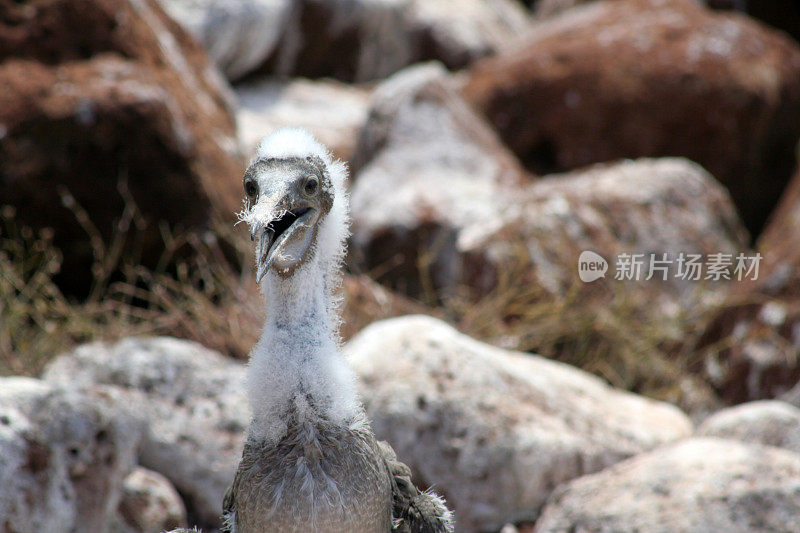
[(491, 142)]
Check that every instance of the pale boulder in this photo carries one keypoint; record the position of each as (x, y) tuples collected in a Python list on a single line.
[(496, 431), (63, 456), (150, 503), (768, 422), (192, 400), (332, 111), (693, 486)]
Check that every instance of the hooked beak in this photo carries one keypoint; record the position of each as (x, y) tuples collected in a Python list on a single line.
[(283, 241)]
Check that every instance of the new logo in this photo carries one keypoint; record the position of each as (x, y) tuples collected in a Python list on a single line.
[(591, 266)]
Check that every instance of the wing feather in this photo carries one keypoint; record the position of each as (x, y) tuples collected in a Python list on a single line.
[(414, 511)]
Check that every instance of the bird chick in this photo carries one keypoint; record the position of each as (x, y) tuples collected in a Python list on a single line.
[(310, 461)]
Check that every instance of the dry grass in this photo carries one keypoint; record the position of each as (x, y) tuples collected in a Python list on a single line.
[(207, 299), (609, 332), (200, 296), (203, 298)]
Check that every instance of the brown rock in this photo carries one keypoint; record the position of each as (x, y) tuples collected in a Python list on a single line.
[(751, 346), (457, 32), (641, 78), (783, 267), (127, 109), (781, 14), (549, 8), (370, 39)]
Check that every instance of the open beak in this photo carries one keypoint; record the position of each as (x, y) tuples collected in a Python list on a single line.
[(284, 240)]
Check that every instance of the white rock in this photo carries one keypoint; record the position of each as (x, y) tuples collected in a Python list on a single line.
[(239, 35), (646, 206), (332, 111), (192, 400), (425, 161), (694, 486), (769, 422), (150, 502), (63, 456), (493, 430)]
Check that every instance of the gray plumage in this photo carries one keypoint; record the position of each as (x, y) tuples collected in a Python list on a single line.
[(322, 478), (311, 461), (319, 477)]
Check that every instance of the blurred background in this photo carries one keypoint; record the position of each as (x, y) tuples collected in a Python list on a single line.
[(490, 142)]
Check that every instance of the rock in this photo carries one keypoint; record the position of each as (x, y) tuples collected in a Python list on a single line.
[(332, 111), (751, 344), (649, 206), (442, 167), (240, 36), (150, 502), (461, 211), (442, 212), (366, 301), (550, 8), (369, 39), (69, 101), (692, 486), (493, 430), (781, 14), (767, 422), (792, 396), (63, 456), (458, 32), (644, 78), (192, 400)]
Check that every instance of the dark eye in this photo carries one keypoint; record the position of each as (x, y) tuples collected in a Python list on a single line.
[(310, 186), (250, 188)]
